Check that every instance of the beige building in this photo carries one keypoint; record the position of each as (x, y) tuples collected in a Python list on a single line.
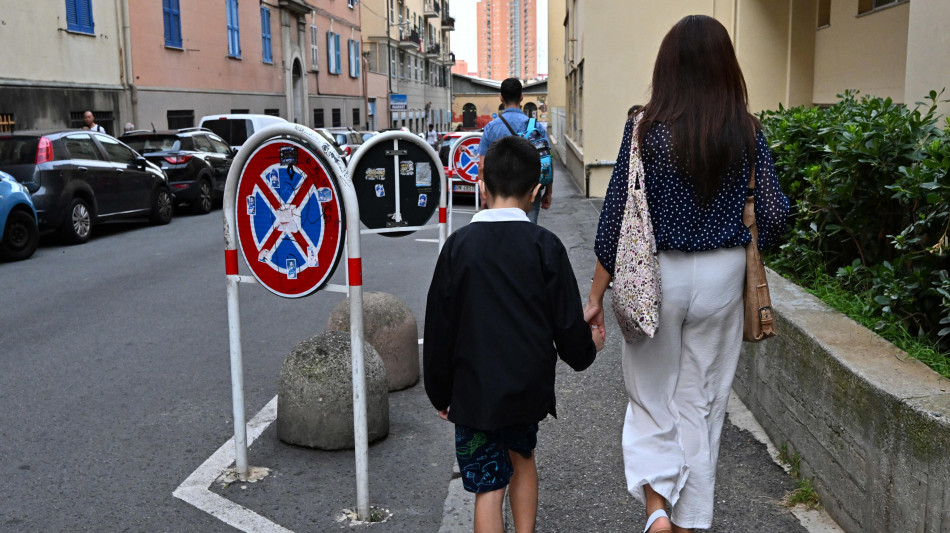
[(408, 59), (476, 101), (59, 61), (792, 52)]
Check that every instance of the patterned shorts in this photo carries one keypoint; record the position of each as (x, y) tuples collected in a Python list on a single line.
[(483, 455)]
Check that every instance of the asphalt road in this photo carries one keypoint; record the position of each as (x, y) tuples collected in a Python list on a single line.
[(114, 370)]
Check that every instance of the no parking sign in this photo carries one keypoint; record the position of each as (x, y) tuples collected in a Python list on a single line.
[(289, 218), (465, 157)]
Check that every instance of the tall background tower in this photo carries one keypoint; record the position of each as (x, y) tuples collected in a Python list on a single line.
[(507, 39)]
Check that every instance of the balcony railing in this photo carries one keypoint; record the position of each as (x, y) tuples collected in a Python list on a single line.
[(410, 40), (433, 51), (448, 23), (432, 9)]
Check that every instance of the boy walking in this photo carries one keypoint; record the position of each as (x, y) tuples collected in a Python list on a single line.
[(502, 306)]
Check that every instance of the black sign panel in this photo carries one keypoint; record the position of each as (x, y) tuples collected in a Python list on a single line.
[(374, 179)]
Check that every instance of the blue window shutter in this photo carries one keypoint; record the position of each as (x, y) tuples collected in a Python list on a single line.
[(172, 18), (336, 39), (234, 29), (79, 16), (266, 36)]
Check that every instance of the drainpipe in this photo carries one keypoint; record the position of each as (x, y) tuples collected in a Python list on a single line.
[(587, 167), (131, 92)]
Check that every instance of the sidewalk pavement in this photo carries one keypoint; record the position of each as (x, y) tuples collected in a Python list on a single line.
[(582, 486)]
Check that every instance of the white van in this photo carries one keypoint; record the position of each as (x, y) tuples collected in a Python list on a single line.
[(235, 129)]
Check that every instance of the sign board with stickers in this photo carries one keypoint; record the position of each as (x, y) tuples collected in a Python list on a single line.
[(399, 182), (290, 217)]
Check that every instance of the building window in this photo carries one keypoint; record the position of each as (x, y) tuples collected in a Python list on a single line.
[(240, 111), (318, 121), (402, 65), (314, 49), (865, 6), (172, 17), (265, 35), (337, 117), (103, 118), (824, 13), (392, 63), (353, 49), (6, 122), (333, 53), (234, 30), (356, 117), (79, 16), (351, 3), (274, 112), (180, 118)]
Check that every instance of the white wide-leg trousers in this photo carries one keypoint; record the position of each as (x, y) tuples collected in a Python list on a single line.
[(678, 382)]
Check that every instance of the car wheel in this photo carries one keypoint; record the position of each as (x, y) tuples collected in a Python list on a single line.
[(203, 203), (77, 227), (20, 237), (163, 207)]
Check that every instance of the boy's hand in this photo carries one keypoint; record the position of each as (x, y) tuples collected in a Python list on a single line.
[(444, 414), (597, 334)]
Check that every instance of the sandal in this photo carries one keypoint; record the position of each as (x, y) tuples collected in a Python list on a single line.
[(659, 513)]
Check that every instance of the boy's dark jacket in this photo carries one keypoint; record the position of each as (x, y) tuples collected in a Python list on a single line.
[(503, 304)]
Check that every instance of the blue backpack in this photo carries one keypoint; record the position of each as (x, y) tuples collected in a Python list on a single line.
[(540, 143)]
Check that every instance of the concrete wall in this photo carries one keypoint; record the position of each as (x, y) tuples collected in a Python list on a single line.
[(871, 426), (928, 41), (866, 52)]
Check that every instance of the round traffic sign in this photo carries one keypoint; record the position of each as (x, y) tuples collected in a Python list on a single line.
[(465, 158), (289, 217), (375, 170)]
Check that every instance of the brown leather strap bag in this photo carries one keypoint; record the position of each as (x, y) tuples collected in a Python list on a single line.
[(759, 319)]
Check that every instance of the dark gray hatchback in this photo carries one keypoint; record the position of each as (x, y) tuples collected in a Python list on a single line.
[(77, 178)]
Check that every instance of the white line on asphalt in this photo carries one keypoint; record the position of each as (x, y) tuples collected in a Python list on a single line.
[(194, 490), (428, 240)]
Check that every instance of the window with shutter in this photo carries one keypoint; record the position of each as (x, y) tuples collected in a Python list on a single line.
[(79, 16), (353, 49), (234, 30), (171, 13), (314, 49), (265, 36)]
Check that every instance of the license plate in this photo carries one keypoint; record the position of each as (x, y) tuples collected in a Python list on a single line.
[(460, 187)]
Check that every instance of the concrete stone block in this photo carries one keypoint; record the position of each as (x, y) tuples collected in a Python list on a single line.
[(389, 325), (315, 394)]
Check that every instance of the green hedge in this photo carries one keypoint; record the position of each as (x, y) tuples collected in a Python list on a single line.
[(869, 184)]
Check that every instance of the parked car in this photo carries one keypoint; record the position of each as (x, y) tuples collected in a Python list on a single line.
[(348, 140), (236, 128), (325, 133), (19, 233), (367, 135), (77, 178), (195, 160)]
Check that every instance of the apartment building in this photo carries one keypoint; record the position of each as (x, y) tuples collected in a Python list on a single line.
[(167, 63), (507, 39), (61, 58), (792, 52), (409, 60)]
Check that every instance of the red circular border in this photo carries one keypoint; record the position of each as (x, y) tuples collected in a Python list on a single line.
[(458, 155), (330, 250)]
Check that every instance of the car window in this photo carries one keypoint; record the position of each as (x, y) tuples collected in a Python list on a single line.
[(202, 143), (340, 138), (81, 146), (153, 143), (233, 131), (18, 151), (117, 152), (219, 146)]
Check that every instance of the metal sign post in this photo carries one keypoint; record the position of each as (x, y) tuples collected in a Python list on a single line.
[(287, 200), (396, 176), (464, 163)]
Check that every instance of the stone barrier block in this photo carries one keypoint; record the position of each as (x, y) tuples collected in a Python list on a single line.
[(315, 394), (388, 324)]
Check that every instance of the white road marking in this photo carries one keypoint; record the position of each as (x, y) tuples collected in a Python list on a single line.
[(194, 490), (428, 240)]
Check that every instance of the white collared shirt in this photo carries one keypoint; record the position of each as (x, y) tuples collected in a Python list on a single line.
[(502, 214)]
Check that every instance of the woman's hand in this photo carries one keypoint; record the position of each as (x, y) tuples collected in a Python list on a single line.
[(444, 414)]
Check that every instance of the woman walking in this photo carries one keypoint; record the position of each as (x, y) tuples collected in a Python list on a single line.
[(698, 144)]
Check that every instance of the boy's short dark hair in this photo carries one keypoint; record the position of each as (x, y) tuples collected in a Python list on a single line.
[(512, 167), (511, 90)]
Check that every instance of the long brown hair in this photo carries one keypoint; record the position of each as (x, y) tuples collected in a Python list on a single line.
[(698, 91)]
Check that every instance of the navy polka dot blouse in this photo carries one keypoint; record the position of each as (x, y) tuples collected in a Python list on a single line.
[(679, 222)]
